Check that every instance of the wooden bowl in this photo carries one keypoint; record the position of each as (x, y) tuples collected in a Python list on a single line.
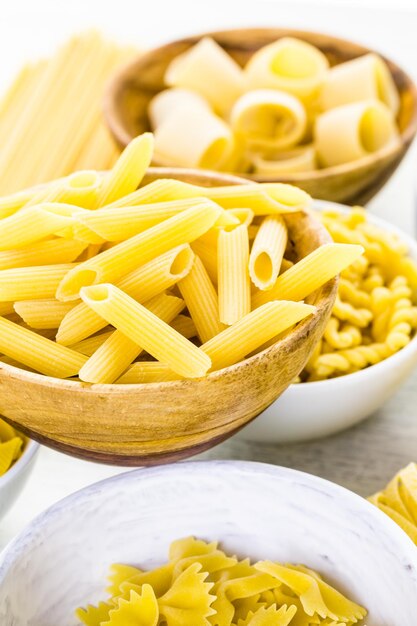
[(129, 92), (160, 422)]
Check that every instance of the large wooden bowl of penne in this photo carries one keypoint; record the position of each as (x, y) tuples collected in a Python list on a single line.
[(330, 116), (148, 315)]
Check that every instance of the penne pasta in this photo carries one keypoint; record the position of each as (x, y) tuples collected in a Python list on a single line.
[(245, 216), (121, 223), (353, 131), (37, 352), (310, 273), (290, 65), (207, 69), (365, 78), (6, 308), (91, 344), (30, 225), (127, 173), (185, 326), (50, 252), (128, 255), (233, 274), (208, 254), (267, 118), (79, 189), (253, 330), (115, 355), (32, 283), (193, 137), (267, 252), (201, 300), (147, 372), (147, 330), (162, 105), (43, 313), (142, 284)]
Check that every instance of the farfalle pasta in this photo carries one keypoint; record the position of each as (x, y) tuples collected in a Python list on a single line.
[(375, 313), (11, 446), (201, 585), (285, 111)]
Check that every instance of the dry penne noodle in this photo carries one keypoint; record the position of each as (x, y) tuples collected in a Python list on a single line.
[(267, 118), (353, 131), (43, 313), (142, 284), (49, 252), (364, 78), (121, 223), (37, 352), (185, 326), (147, 372), (208, 255), (30, 225), (253, 330), (310, 273), (78, 189), (91, 344), (115, 355), (207, 69), (290, 65), (126, 256), (201, 300), (147, 330), (267, 252), (193, 137), (127, 173), (6, 308), (32, 283), (245, 216), (162, 105), (233, 274)]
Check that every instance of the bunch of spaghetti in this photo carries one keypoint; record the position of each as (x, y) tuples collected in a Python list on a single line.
[(11, 446), (50, 119), (374, 315), (200, 585), (107, 270)]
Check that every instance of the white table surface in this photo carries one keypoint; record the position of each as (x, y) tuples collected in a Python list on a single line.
[(362, 458)]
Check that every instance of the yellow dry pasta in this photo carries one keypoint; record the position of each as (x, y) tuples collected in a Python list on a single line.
[(267, 252), (43, 313), (364, 78), (115, 355), (11, 446), (165, 102), (374, 315), (142, 284), (207, 69), (201, 584), (49, 252), (185, 326), (233, 274), (32, 283), (201, 300), (147, 372), (37, 352), (300, 159), (310, 273), (353, 131), (147, 330), (30, 225), (126, 256), (269, 119)]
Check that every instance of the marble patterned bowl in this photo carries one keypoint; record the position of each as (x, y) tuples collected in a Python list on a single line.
[(61, 560)]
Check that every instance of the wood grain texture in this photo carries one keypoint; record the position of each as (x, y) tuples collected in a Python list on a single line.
[(130, 91), (160, 422)]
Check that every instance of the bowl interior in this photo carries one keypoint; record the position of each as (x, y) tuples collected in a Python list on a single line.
[(253, 509), (132, 88)]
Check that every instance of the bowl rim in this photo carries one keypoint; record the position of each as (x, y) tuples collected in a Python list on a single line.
[(18, 545), (302, 329), (117, 128), (390, 361), (30, 449)]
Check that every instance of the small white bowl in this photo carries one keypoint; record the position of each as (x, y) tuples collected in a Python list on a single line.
[(318, 409), (61, 560), (13, 481)]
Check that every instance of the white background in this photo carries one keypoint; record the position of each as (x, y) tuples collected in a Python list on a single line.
[(29, 29)]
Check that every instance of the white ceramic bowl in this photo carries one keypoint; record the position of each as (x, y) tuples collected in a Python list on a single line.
[(318, 409), (13, 481), (61, 560)]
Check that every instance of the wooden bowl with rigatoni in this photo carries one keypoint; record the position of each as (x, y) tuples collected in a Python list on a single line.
[(145, 424)]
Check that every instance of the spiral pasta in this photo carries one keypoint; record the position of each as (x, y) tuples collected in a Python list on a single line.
[(374, 315)]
